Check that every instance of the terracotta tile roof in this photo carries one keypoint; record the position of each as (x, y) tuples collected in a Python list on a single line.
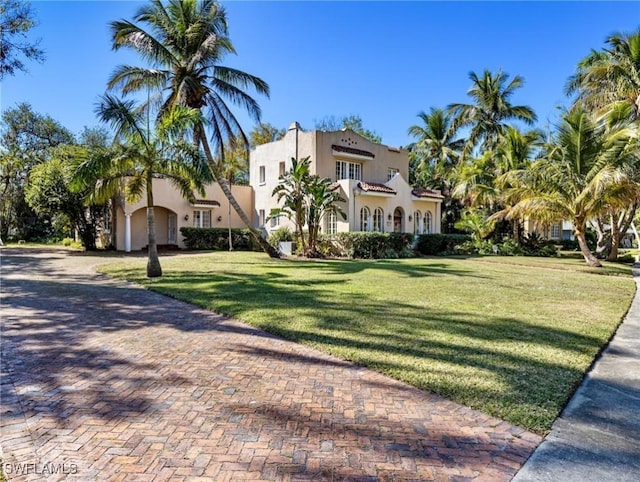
[(205, 202), (375, 187), (351, 150), (427, 193), (333, 186)]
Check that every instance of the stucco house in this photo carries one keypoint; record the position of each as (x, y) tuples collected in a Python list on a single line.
[(126, 225), (371, 177)]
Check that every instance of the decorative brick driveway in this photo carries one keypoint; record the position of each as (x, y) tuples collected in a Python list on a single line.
[(102, 380)]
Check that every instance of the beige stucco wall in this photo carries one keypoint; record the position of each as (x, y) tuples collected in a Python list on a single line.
[(373, 170), (270, 156), (167, 200)]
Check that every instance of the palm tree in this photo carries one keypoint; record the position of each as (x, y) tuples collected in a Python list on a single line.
[(436, 144), (292, 190), (236, 171), (184, 41), (475, 178), (138, 156), (611, 77), (322, 199), (434, 156), (488, 115), (587, 171), (306, 200), (608, 82)]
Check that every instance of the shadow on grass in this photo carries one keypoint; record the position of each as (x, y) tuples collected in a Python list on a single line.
[(65, 310)]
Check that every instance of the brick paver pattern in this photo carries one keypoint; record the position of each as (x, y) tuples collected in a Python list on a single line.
[(103, 380)]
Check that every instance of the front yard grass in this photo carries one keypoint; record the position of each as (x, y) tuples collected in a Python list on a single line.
[(510, 339)]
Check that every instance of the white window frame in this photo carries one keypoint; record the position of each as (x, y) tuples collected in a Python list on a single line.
[(365, 216), (348, 170), (332, 222), (281, 169), (428, 222), (262, 173), (261, 217), (378, 220), (391, 172), (201, 218), (417, 221)]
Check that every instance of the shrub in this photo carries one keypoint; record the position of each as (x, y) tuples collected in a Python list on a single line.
[(509, 248), (626, 258), (433, 244), (67, 242), (366, 245), (570, 245), (280, 235), (535, 245), (218, 239), (482, 246)]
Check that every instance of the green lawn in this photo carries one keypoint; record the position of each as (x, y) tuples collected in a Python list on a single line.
[(509, 336)]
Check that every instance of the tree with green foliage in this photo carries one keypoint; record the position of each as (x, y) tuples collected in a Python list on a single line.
[(476, 222), (433, 158), (610, 78), (141, 154), (306, 199), (50, 193), (264, 133), (323, 198), (183, 43), (291, 191), (488, 116), (352, 122), (16, 19), (607, 82), (27, 140), (586, 171)]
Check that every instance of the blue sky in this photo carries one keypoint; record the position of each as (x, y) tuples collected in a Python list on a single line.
[(384, 61)]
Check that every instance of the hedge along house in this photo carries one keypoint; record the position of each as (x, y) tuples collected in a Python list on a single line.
[(127, 226), (371, 177)]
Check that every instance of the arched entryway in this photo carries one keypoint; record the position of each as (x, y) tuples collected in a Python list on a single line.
[(398, 220), (166, 224)]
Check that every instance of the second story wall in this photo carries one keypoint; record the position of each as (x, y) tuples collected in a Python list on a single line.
[(375, 160)]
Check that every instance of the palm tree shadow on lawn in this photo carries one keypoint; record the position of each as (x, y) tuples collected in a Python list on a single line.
[(420, 342)]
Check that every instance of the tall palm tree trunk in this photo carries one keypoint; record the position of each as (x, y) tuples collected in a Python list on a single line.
[(615, 238), (266, 247), (154, 270), (229, 227), (584, 247)]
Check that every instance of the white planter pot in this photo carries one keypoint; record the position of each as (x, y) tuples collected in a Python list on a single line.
[(285, 247)]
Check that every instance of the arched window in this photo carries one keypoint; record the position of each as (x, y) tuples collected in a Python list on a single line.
[(417, 217), (365, 214), (378, 220), (428, 227), (332, 222)]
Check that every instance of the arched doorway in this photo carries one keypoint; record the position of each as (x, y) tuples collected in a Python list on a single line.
[(398, 220)]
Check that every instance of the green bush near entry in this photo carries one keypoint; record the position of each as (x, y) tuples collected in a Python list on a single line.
[(218, 239)]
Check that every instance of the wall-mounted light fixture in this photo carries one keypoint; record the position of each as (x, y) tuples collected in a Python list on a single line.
[(410, 218), (186, 217), (389, 217), (219, 218)]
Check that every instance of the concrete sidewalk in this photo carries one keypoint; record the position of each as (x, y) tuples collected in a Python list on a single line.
[(597, 436)]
